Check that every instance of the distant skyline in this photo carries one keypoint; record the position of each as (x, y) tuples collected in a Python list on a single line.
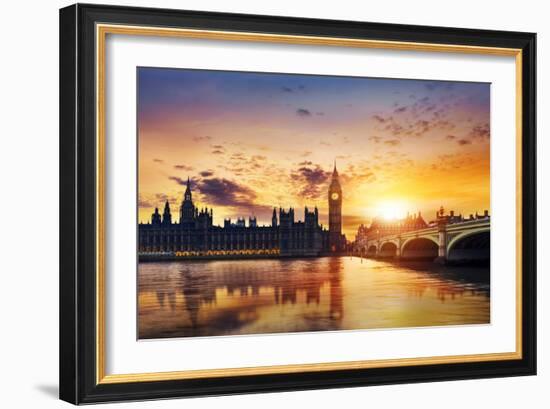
[(254, 141)]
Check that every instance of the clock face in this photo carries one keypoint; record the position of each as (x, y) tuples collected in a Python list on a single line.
[(334, 196)]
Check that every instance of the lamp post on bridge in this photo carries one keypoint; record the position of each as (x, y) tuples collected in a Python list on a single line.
[(442, 237), (398, 249)]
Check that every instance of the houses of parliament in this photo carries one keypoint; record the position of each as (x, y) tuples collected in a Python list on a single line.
[(195, 235)]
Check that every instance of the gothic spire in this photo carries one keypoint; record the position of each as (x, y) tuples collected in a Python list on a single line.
[(187, 194), (335, 171)]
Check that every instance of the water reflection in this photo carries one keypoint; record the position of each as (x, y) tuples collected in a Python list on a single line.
[(206, 298)]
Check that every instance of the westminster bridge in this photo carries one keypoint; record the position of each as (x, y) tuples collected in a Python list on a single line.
[(466, 241)]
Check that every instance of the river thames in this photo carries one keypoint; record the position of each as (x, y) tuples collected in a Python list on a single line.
[(232, 297)]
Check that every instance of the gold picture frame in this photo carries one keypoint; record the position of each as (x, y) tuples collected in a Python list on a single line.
[(99, 21)]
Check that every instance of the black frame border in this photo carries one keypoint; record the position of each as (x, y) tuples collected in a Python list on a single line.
[(78, 197)]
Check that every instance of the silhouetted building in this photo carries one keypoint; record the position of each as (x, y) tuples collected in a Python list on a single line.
[(195, 233), (337, 241), (453, 218), (381, 227)]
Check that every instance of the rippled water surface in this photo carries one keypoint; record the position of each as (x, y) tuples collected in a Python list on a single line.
[(207, 298)]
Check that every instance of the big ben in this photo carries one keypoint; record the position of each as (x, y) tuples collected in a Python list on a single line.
[(335, 213)]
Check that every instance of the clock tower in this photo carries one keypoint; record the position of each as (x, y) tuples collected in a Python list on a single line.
[(335, 213)]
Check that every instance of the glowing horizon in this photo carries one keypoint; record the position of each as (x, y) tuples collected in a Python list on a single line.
[(250, 142)]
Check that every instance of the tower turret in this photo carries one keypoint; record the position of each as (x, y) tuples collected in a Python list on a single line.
[(274, 218), (335, 212), (166, 216), (316, 216), (187, 195), (188, 212), (155, 218)]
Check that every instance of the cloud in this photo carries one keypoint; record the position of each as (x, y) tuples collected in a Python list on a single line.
[(360, 174), (202, 138), (415, 119), (392, 142), (303, 112), (450, 137), (286, 89), (218, 149), (158, 160), (310, 180), (375, 139), (464, 141), (379, 118), (206, 173), (184, 167), (394, 127), (178, 180), (237, 170), (224, 192), (448, 162), (156, 200), (228, 193), (143, 202), (183, 182), (163, 198), (240, 164), (421, 127), (238, 156), (480, 132)]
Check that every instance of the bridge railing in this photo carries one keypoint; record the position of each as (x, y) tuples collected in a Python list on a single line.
[(427, 230)]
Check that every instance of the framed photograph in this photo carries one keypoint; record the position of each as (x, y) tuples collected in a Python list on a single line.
[(257, 203)]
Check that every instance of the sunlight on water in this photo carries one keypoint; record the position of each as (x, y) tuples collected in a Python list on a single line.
[(207, 298)]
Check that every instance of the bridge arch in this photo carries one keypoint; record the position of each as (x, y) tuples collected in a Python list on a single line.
[(388, 249), (371, 250), (466, 234), (423, 247), (470, 246)]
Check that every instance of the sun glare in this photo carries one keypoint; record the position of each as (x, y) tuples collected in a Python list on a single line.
[(391, 210)]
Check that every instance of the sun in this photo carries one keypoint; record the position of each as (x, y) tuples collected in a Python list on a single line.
[(391, 210)]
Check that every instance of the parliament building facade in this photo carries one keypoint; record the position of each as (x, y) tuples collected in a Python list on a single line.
[(195, 235)]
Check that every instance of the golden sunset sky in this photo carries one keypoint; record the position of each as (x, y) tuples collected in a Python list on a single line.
[(253, 141)]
